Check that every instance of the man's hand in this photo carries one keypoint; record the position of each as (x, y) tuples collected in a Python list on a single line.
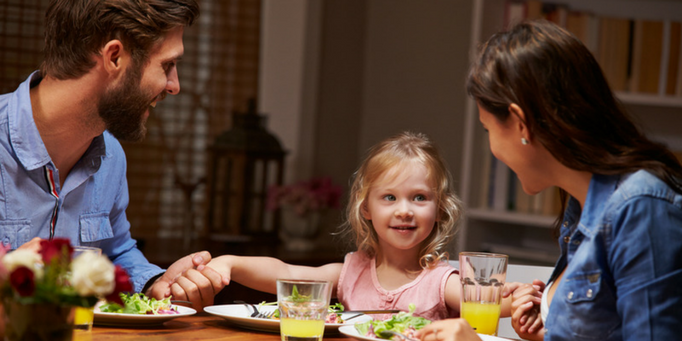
[(31, 245), (198, 285)]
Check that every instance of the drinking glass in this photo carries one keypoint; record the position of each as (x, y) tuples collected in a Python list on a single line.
[(303, 306), (84, 317), (482, 276)]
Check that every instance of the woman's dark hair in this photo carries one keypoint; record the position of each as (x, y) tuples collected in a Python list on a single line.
[(568, 105), (76, 30)]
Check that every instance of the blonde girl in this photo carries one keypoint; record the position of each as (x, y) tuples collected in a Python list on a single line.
[(402, 213)]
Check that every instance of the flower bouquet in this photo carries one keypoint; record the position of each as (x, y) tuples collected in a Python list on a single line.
[(305, 197), (300, 205), (40, 290)]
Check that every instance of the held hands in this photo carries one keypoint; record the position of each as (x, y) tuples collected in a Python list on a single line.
[(189, 279), (525, 307)]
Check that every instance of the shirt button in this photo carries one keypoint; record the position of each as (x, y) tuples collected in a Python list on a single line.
[(389, 298), (589, 293), (565, 223), (570, 295), (5, 240), (567, 239)]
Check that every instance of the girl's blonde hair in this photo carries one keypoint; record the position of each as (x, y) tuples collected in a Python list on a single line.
[(400, 151)]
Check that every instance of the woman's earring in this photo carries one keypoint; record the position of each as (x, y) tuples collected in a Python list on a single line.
[(524, 141)]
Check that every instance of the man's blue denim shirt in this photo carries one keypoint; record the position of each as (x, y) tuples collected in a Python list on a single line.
[(89, 209), (623, 262)]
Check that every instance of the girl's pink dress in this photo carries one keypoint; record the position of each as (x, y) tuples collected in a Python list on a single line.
[(359, 289)]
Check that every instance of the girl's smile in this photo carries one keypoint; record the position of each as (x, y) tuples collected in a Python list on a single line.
[(402, 206)]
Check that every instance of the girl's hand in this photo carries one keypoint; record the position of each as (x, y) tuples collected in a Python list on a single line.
[(448, 330), (526, 320)]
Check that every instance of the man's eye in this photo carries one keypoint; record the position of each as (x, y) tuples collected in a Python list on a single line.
[(389, 197), (169, 67)]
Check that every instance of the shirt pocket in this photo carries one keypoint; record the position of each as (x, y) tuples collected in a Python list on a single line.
[(95, 227), (592, 306), (15, 232)]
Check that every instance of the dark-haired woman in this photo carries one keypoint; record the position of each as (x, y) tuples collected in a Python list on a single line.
[(552, 118)]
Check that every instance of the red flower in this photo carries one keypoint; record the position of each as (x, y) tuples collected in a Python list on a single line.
[(49, 249), (22, 281), (122, 280)]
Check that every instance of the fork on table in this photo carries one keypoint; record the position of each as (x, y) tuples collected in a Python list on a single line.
[(265, 315), (256, 313)]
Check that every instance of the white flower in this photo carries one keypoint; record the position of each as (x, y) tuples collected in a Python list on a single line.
[(27, 258), (92, 275)]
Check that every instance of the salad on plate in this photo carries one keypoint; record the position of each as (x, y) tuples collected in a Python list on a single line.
[(402, 322), (140, 304)]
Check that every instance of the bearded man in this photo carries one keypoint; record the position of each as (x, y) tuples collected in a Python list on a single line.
[(63, 170)]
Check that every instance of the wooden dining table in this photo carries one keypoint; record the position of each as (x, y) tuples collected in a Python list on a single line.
[(202, 326)]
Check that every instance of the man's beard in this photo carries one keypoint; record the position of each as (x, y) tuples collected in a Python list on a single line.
[(122, 109)]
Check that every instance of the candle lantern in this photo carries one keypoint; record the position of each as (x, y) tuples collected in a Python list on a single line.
[(243, 163)]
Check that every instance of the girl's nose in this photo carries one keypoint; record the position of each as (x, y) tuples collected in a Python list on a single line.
[(403, 213)]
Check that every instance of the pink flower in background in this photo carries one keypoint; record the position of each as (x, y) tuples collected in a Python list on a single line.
[(305, 196)]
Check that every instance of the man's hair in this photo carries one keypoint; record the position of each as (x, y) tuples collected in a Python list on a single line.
[(75, 30)]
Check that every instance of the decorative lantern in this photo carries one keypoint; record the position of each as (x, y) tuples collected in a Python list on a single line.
[(243, 163)]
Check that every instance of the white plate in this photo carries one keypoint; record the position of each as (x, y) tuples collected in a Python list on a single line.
[(240, 315), (126, 320), (350, 331)]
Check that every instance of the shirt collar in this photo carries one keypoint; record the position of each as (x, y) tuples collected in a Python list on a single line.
[(600, 190), (25, 137)]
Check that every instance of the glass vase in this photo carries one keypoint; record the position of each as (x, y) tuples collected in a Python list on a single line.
[(37, 322), (300, 232)]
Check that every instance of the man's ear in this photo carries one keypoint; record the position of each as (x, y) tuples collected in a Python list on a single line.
[(520, 122), (112, 57)]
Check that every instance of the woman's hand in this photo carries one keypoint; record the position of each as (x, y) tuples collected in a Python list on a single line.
[(526, 320), (448, 330)]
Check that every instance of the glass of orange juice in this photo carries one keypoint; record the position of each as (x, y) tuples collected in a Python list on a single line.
[(303, 306), (482, 276), (84, 317)]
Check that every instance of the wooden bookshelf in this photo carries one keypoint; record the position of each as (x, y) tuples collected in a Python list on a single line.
[(526, 235)]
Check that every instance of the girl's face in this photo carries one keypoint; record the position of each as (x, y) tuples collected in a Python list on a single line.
[(402, 207)]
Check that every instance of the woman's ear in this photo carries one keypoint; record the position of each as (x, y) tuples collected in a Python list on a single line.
[(516, 111)]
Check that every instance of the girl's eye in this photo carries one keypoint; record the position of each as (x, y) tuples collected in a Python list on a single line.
[(389, 197), (420, 197)]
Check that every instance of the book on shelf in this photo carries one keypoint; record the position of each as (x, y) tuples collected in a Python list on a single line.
[(614, 51), (636, 55), (514, 13), (556, 13), (673, 72), (487, 178), (499, 185), (585, 26), (647, 53), (502, 191)]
